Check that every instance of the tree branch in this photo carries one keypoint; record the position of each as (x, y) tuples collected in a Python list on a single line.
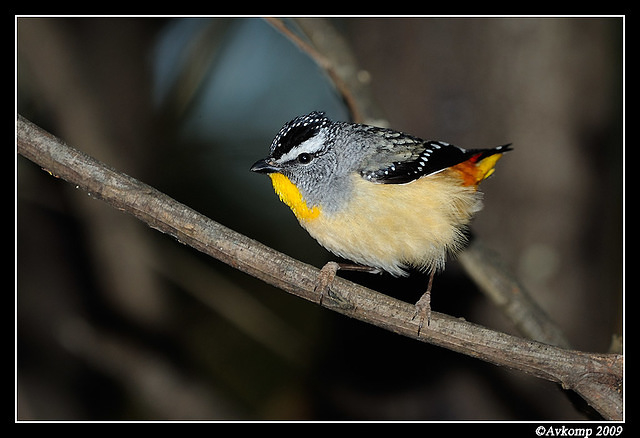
[(596, 377)]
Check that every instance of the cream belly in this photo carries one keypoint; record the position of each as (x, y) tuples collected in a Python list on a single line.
[(393, 226)]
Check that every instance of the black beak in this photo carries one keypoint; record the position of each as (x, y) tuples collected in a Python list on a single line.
[(263, 166)]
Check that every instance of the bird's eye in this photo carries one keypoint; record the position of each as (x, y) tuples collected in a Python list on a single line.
[(305, 158)]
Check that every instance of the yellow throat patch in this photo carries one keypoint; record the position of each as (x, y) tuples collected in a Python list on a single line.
[(290, 195)]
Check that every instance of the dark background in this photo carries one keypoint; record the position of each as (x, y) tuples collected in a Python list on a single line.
[(116, 321)]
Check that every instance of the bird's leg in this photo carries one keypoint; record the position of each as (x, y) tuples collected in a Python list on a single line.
[(329, 271), (325, 278), (423, 305)]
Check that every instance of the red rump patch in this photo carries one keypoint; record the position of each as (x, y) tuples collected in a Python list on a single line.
[(477, 168)]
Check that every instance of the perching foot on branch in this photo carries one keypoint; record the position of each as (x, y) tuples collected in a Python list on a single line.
[(329, 271), (423, 306)]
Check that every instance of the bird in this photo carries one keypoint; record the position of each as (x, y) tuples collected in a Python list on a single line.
[(383, 199)]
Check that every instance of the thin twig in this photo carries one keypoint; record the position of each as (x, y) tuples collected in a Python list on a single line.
[(337, 79), (494, 279), (596, 377)]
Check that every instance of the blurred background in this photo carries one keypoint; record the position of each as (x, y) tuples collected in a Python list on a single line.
[(116, 321)]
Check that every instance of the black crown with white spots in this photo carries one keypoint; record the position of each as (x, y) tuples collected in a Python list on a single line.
[(297, 131)]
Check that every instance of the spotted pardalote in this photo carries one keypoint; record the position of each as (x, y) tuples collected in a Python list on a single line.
[(380, 198)]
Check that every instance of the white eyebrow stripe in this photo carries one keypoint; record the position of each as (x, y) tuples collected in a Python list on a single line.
[(310, 146)]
